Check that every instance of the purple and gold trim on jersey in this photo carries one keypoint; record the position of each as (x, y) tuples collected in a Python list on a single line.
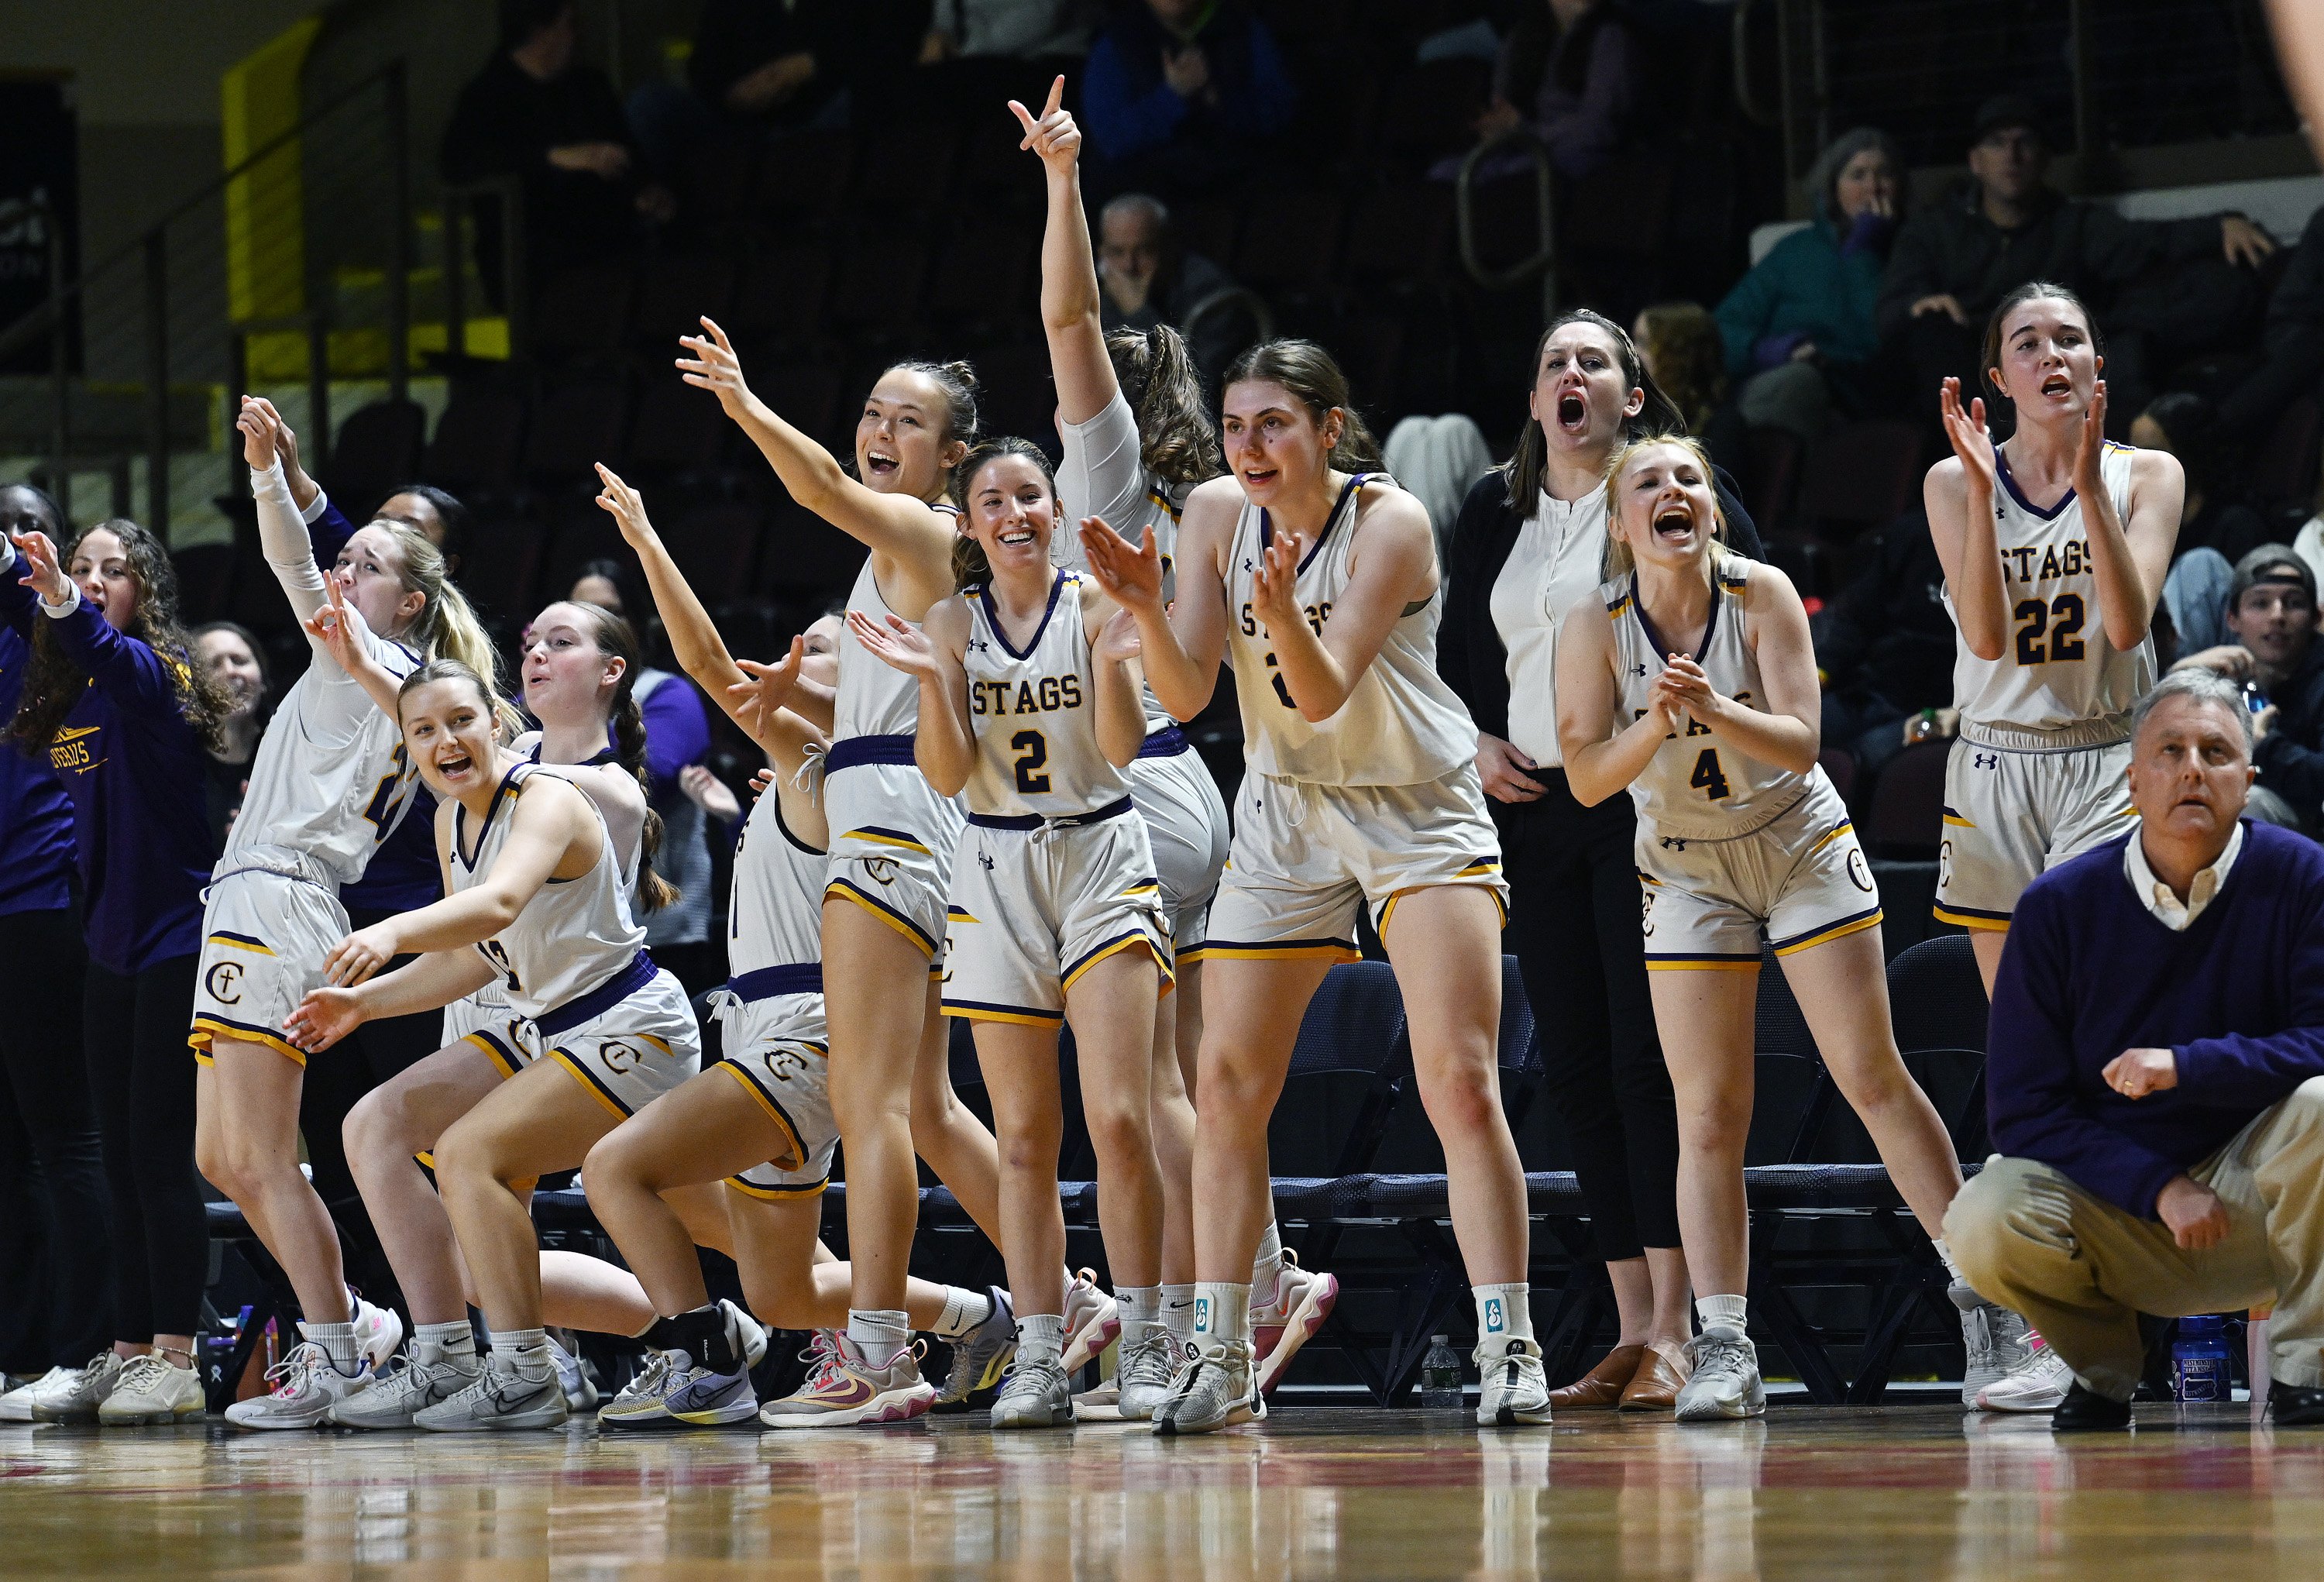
[(241, 942), (1023, 1016), (1700, 961), (1485, 874), (589, 1081), (208, 1027), (848, 890), (777, 1194), (1129, 939), (1837, 928), (1970, 917), (773, 1107), (506, 1061), (1335, 951)]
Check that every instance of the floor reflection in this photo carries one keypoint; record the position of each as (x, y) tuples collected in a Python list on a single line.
[(1315, 1493)]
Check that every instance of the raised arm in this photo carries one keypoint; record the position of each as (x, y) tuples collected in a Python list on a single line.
[(944, 744), (1180, 645), (903, 533), (1070, 313), (1322, 655), (1788, 732), (1602, 754), (282, 527), (1959, 495), (2128, 558), (135, 677)]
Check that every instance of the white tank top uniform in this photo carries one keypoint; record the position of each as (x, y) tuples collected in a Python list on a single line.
[(1379, 800), (574, 965), (1054, 873), (330, 782), (2036, 775), (1730, 850), (770, 1024), (1104, 474), (892, 835)]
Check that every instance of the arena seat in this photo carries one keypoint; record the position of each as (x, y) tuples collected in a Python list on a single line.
[(1860, 476), (579, 313), (574, 428), (673, 298), (377, 448), (1907, 819), (805, 176), (781, 297), (677, 429), (479, 440), (717, 544), (204, 580), (500, 562)]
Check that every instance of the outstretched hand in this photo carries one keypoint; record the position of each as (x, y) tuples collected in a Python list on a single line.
[(1053, 136), (1971, 440), (1131, 573), (339, 626), (322, 1019), (43, 573), (359, 956), (765, 688), (713, 366), (626, 506), (903, 647), (1117, 640)]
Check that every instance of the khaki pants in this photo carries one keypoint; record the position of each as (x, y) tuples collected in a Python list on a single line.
[(2081, 1269)]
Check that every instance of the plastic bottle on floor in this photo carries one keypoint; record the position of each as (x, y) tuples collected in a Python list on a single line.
[(1440, 1376), (2199, 1360)]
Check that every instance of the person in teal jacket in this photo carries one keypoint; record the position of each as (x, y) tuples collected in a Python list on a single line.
[(1798, 328)]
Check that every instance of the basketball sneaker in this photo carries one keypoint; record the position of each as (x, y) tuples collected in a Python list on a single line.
[(1092, 1321), (1994, 1339), (1512, 1387), (844, 1388), (1288, 1318), (76, 1396), (981, 1357), (16, 1406), (1100, 1404), (1218, 1388), (504, 1394), (1725, 1380), (2036, 1385), (1035, 1395), (677, 1392), (748, 1335), (306, 1385), (378, 1330), (153, 1390), (424, 1376), (1149, 1360), (572, 1373)]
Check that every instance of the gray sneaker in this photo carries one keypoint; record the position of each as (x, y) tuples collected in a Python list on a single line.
[(1149, 1360), (980, 1356), (1035, 1395), (1512, 1389), (306, 1385), (676, 1392), (75, 1396), (1217, 1388), (572, 1373), (503, 1395), (423, 1377), (153, 1390), (1999, 1342), (1725, 1380)]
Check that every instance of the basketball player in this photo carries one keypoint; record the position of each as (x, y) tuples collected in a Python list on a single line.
[(1318, 582)]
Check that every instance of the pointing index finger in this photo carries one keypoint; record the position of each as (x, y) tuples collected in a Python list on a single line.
[(1057, 97)]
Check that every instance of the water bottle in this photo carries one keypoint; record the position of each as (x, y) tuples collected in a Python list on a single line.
[(2199, 1360), (1440, 1376)]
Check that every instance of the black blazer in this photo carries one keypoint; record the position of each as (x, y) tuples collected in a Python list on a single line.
[(1470, 655)]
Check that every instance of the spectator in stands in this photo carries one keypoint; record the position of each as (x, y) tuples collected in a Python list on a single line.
[(678, 738), (1680, 344), (237, 662), (2291, 346), (2273, 655), (2183, 423), (1885, 650), (537, 114), (1799, 328), (1178, 90), (1147, 279), (2158, 1151), (775, 65), (1954, 261), (1025, 29), (1572, 73)]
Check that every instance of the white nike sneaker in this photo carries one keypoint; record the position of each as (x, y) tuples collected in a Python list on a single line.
[(1218, 1388), (76, 1397), (1283, 1321), (306, 1385), (153, 1390), (1725, 1380), (2036, 1385), (16, 1406), (1994, 1338), (1150, 1361), (1512, 1389), (503, 1395), (1093, 1319), (572, 1373), (1035, 1395), (423, 1377), (378, 1330), (747, 1334)]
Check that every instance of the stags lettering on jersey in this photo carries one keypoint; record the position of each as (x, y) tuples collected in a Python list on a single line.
[(1003, 698), (2070, 559)]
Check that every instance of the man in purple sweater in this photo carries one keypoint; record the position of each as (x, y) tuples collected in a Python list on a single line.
[(2158, 1031)]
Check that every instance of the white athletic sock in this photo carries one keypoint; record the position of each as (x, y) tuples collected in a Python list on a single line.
[(1946, 1253), (1040, 1337), (526, 1350), (1221, 1313), (1267, 1264), (453, 1339), (1504, 1312), (878, 1334), (963, 1310), (1729, 1311), (1179, 1311), (338, 1340), (1139, 1304)]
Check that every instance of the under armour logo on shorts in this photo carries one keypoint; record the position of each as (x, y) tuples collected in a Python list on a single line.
[(1493, 1325), (1671, 842), (986, 859), (1985, 760)]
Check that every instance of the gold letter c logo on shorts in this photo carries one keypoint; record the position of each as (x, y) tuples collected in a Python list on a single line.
[(618, 1056), (1858, 873), (221, 981)]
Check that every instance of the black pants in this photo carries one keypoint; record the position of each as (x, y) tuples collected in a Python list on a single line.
[(49, 1145), (140, 1074), (1573, 927)]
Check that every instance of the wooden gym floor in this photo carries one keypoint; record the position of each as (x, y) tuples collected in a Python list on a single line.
[(1910, 1491)]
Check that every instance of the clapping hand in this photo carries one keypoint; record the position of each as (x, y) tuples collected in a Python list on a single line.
[(1131, 573), (896, 644), (1971, 442)]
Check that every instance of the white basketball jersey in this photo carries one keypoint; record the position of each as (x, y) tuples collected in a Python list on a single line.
[(775, 907), (1400, 725), (330, 781), (1155, 516), (2058, 670), (573, 935), (1696, 786), (874, 698), (1034, 711)]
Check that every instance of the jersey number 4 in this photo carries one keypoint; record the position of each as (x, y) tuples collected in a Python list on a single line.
[(1709, 777), (1032, 749), (391, 792), (2065, 633)]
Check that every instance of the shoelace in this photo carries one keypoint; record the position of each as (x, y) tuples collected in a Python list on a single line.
[(1977, 1330), (306, 1360), (140, 1372), (1145, 1358), (1722, 1357), (824, 1361), (651, 1378)]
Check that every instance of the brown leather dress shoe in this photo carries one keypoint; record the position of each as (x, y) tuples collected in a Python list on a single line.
[(1599, 1389), (1657, 1382)]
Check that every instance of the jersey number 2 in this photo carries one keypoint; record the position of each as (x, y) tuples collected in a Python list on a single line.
[(1033, 752), (2065, 635)]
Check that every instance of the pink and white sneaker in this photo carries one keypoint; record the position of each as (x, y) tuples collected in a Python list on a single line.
[(1092, 1321), (844, 1389), (1286, 1321)]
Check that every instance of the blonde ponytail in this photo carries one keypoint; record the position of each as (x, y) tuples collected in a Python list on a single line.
[(447, 626)]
